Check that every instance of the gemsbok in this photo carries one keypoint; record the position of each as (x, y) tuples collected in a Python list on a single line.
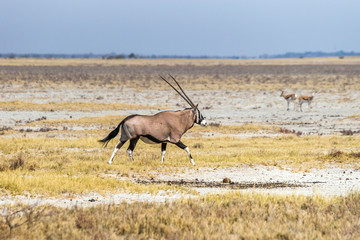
[(163, 127), (289, 98), (306, 99)]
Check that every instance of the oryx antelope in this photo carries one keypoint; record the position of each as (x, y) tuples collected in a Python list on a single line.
[(306, 99), (163, 127), (289, 98)]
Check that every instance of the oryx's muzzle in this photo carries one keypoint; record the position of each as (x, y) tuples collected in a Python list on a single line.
[(203, 122)]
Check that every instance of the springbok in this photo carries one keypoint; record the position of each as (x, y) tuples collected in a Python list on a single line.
[(163, 127), (306, 99), (289, 98)]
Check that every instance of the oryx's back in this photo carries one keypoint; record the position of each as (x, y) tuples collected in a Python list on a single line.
[(163, 126)]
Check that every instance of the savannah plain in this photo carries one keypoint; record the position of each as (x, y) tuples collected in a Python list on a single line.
[(261, 172)]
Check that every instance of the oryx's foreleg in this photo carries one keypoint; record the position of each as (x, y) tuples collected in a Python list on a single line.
[(183, 146), (163, 151), (131, 148), (117, 147)]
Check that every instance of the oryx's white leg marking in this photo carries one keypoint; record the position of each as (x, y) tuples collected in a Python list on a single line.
[(183, 146), (113, 155), (162, 156), (163, 151), (131, 148), (130, 154), (191, 159), (117, 147)]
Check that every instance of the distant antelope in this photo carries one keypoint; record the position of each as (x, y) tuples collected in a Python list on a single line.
[(306, 99), (289, 98), (163, 127)]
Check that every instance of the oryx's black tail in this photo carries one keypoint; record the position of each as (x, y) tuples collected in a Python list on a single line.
[(111, 135), (114, 132)]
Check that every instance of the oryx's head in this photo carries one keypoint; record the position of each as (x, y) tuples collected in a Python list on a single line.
[(199, 119)]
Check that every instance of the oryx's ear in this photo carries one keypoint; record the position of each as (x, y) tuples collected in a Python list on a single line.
[(195, 108)]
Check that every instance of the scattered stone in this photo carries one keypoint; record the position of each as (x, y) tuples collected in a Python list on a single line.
[(226, 180)]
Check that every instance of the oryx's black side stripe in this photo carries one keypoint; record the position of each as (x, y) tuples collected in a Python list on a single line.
[(151, 138), (115, 131)]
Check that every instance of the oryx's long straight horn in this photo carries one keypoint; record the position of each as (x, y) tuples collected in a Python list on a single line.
[(192, 104), (187, 100)]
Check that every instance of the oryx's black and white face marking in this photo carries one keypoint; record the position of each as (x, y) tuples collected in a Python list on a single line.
[(200, 118)]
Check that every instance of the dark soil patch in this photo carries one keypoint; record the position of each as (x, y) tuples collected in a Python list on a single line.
[(232, 185)]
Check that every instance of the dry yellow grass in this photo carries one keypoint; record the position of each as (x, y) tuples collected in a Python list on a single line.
[(229, 216), (354, 117), (56, 166)]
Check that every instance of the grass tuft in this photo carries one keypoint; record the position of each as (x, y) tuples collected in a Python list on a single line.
[(229, 216), (13, 163), (16, 162)]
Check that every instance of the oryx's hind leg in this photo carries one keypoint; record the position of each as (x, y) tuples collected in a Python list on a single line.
[(163, 151), (183, 146), (131, 148), (117, 147)]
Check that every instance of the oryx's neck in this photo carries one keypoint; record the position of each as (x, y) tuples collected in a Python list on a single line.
[(187, 117)]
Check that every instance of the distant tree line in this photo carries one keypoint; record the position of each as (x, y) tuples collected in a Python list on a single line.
[(56, 55), (340, 54)]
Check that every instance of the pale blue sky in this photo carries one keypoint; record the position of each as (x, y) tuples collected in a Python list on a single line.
[(181, 27)]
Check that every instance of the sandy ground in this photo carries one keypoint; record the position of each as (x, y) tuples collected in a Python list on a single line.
[(322, 182), (327, 115)]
